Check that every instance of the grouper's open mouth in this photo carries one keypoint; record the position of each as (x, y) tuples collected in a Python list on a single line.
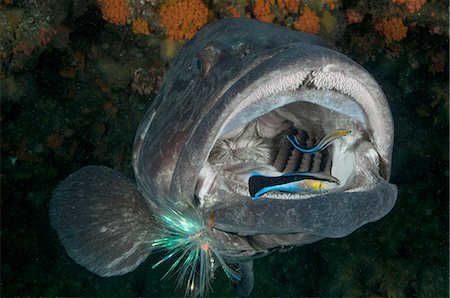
[(253, 138)]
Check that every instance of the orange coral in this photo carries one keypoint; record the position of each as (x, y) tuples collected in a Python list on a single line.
[(262, 10), (23, 47), (184, 18), (308, 21), (392, 29), (234, 13), (44, 36), (331, 3), (115, 11), (411, 5), (287, 6), (140, 26), (353, 16)]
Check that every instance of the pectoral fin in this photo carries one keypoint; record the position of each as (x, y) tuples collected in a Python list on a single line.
[(102, 220)]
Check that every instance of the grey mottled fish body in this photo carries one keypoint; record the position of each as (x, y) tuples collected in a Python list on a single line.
[(226, 103)]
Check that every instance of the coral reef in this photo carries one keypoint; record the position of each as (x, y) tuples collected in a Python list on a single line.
[(181, 20), (288, 6), (392, 29), (308, 21), (140, 26), (411, 5), (146, 82), (234, 13), (115, 11), (353, 16), (230, 9), (262, 10), (331, 3), (26, 33)]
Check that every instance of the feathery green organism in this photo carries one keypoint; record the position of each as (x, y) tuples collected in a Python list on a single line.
[(185, 240)]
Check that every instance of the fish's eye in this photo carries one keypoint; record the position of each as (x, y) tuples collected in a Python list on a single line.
[(196, 65)]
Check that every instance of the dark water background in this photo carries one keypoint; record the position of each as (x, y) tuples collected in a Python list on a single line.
[(52, 125)]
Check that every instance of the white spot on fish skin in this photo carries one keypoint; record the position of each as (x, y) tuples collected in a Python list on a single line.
[(205, 181), (329, 68), (126, 254), (137, 149)]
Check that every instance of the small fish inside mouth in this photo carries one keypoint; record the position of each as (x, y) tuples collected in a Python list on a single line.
[(269, 155), (259, 184), (321, 145), (294, 182)]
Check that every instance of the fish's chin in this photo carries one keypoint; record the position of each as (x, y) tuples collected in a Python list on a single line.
[(261, 145)]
